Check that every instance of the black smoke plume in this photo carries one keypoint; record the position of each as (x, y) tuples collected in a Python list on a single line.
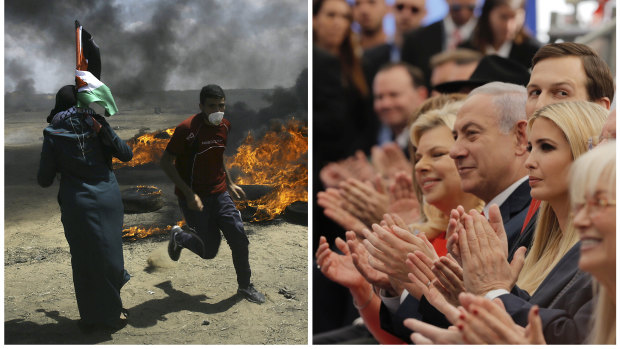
[(149, 46)]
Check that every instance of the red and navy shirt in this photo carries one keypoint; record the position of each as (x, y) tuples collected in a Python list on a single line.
[(199, 150)]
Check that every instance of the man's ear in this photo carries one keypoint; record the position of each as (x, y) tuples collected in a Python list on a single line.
[(422, 92), (520, 130), (603, 102)]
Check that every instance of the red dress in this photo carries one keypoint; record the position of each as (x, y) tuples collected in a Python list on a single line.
[(439, 243)]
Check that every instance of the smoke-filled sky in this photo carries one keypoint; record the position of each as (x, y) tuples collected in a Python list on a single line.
[(151, 45)]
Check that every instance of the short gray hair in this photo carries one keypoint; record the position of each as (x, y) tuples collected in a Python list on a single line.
[(509, 100)]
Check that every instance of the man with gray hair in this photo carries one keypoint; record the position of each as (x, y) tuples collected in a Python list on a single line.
[(490, 151)]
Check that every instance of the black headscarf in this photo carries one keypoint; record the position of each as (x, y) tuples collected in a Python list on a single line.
[(65, 99)]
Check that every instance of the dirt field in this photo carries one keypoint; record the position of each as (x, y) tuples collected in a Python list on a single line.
[(192, 301)]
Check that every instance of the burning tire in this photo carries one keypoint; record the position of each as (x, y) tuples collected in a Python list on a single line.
[(256, 191), (142, 199), (297, 213)]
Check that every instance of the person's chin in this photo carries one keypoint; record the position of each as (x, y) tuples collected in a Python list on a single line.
[(588, 263)]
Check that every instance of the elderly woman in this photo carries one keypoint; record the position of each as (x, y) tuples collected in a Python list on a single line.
[(79, 145)]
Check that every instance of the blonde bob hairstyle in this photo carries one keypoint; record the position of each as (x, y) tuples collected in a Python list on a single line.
[(436, 221), (581, 123), (587, 173)]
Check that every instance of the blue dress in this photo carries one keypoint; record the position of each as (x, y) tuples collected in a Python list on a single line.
[(91, 209)]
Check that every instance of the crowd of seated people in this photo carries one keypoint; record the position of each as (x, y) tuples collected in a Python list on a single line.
[(455, 194)]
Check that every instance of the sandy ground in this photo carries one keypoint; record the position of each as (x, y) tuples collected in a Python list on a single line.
[(192, 301)]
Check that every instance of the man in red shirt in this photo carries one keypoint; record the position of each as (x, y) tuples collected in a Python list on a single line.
[(194, 161)]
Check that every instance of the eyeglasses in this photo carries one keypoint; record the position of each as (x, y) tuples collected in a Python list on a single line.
[(593, 207), (457, 8), (414, 9)]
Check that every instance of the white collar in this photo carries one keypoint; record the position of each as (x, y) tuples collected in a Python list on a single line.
[(501, 197), (402, 139), (504, 50), (465, 30)]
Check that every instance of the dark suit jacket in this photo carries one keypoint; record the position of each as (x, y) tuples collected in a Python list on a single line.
[(525, 238), (374, 58), (522, 53), (513, 211), (564, 298), (421, 44)]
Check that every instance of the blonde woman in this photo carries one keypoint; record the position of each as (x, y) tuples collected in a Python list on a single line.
[(435, 173)]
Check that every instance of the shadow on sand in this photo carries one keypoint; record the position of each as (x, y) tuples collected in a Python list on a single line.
[(147, 314)]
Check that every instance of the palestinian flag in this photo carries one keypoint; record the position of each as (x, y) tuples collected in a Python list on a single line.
[(88, 72)]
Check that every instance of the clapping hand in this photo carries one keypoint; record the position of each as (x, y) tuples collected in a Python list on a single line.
[(487, 322), (483, 255), (333, 203)]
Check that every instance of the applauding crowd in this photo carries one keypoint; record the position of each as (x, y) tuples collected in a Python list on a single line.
[(495, 221)]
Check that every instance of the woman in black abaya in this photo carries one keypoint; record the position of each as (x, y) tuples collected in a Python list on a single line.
[(79, 145)]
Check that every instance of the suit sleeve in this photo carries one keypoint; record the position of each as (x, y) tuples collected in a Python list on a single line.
[(393, 322), (566, 320)]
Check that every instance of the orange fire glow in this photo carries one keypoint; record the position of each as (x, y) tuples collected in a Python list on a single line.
[(146, 148), (278, 159), (137, 232)]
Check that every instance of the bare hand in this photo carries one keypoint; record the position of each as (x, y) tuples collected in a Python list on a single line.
[(403, 200), (389, 159), (363, 201), (452, 235), (424, 333), (450, 277), (389, 248), (332, 202), (360, 260), (486, 322), (391, 219), (425, 282), (356, 166), (237, 191), (336, 267), (194, 202), (485, 267)]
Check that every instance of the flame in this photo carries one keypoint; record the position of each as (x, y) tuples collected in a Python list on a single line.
[(137, 232), (278, 159), (146, 148), (157, 192)]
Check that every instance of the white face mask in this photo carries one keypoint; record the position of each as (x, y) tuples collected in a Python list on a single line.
[(216, 118)]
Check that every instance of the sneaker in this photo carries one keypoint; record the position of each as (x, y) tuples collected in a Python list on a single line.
[(251, 294), (174, 249)]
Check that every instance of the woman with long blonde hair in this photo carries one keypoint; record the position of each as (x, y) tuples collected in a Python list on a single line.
[(580, 123)]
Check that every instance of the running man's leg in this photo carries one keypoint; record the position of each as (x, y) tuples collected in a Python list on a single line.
[(207, 238), (230, 223)]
